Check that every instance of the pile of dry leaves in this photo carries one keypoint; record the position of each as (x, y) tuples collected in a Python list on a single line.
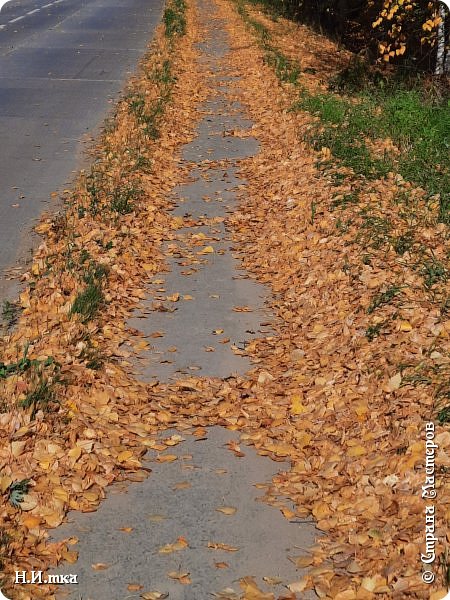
[(346, 408)]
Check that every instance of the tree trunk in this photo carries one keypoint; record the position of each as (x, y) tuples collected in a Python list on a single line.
[(440, 54)]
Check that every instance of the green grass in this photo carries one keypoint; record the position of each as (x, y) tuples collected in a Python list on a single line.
[(39, 398), (10, 312), (122, 198), (88, 302), (370, 106), (383, 298), (23, 364), (419, 129), (373, 331), (174, 19)]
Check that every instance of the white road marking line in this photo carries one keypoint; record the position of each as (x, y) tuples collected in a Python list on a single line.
[(31, 12)]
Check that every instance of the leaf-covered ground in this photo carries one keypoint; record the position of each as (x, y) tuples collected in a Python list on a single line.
[(358, 364)]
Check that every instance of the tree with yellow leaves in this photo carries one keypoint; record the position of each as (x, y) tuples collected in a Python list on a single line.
[(421, 28)]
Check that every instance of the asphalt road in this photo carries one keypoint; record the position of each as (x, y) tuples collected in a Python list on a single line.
[(62, 64)]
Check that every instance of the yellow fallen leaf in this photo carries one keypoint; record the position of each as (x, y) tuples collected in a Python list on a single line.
[(100, 566), (53, 519), (348, 594), (30, 502), (289, 514), (30, 521), (71, 556), (356, 451), (18, 447), (405, 326), (252, 591), (227, 510), (181, 577), (297, 407), (206, 250), (162, 458), (124, 456), (75, 453), (180, 544), (298, 586)]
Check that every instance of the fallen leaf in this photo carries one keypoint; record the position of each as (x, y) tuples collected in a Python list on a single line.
[(227, 510), (100, 566), (181, 577), (221, 546)]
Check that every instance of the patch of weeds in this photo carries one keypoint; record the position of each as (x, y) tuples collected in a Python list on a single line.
[(95, 272), (337, 178), (17, 491), (444, 564), (174, 19), (373, 331), (94, 187), (136, 105), (150, 116), (88, 302), (286, 70), (432, 272), (445, 307), (143, 164), (163, 75), (93, 358), (366, 259), (40, 398), (444, 415), (377, 229), (10, 312), (22, 365), (345, 200), (357, 77), (122, 198), (403, 243), (84, 256), (383, 298), (329, 108), (419, 130), (5, 539), (313, 211), (343, 226)]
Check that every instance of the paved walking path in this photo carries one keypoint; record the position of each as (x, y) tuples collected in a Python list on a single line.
[(201, 303)]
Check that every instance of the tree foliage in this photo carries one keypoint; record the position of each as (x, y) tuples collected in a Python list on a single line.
[(400, 31)]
